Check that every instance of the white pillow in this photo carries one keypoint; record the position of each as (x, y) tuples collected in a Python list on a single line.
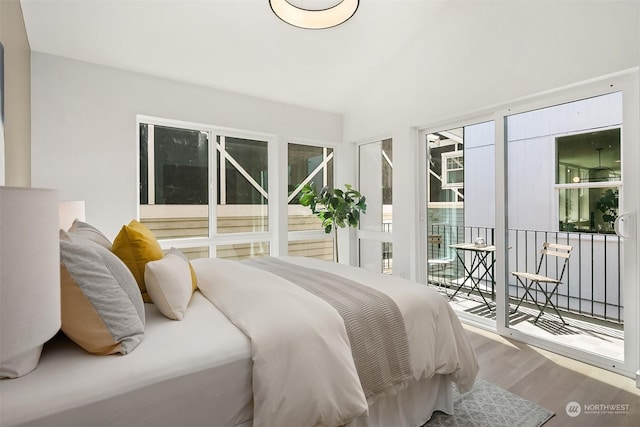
[(168, 283)]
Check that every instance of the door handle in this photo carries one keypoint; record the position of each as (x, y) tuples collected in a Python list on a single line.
[(621, 224)]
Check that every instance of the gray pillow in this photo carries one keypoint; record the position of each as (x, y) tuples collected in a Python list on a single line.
[(102, 309), (79, 228)]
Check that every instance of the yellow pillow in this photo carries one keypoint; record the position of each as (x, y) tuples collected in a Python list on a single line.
[(136, 245)]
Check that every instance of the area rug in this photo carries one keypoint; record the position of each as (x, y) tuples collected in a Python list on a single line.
[(489, 405)]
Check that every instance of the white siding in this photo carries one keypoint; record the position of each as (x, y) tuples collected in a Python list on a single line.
[(479, 175), (531, 170)]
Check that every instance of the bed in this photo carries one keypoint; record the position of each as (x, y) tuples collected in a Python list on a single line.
[(203, 370)]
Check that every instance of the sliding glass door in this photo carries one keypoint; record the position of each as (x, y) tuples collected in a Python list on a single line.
[(570, 205), (460, 217), (531, 220)]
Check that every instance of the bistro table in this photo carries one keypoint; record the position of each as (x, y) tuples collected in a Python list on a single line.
[(480, 265)]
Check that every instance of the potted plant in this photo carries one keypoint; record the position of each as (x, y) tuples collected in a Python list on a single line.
[(608, 205), (335, 207)]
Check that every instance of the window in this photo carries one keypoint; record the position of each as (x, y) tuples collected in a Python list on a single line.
[(307, 164), (453, 170), (242, 185), (445, 168), (376, 184), (460, 190), (375, 161), (174, 172), (588, 180), (184, 168)]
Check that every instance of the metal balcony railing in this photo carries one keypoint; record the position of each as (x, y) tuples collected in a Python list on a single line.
[(387, 250), (592, 285)]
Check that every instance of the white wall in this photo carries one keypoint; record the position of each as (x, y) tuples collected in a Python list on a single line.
[(520, 48), (84, 134)]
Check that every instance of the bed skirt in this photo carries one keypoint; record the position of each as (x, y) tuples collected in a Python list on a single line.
[(412, 407)]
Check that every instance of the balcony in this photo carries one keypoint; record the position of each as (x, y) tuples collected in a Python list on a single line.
[(590, 297)]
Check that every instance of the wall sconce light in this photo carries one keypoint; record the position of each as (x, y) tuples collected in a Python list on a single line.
[(69, 211)]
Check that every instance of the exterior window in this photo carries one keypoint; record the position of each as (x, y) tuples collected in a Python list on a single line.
[(453, 169), (307, 163), (181, 179), (174, 181), (242, 185), (588, 178), (445, 168)]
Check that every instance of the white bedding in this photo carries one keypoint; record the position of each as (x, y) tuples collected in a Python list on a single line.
[(255, 301), (189, 373), (199, 372)]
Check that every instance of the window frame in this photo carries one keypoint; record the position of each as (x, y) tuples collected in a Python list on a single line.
[(383, 236), (215, 238), (446, 170), (302, 235), (581, 185)]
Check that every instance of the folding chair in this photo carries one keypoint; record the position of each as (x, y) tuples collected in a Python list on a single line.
[(438, 265), (527, 280)]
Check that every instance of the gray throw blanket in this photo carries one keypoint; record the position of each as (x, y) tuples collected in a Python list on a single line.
[(373, 322)]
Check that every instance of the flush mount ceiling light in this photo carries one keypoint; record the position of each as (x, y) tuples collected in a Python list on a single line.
[(314, 14)]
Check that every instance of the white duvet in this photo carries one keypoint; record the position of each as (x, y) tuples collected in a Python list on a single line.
[(303, 370)]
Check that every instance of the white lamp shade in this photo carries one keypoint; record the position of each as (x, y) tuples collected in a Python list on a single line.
[(68, 211), (29, 276)]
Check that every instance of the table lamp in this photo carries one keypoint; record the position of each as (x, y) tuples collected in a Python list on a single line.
[(69, 211), (29, 276)]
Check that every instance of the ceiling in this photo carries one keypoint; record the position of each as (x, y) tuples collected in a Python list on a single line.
[(235, 45)]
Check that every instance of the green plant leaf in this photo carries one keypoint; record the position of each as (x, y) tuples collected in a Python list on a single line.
[(306, 199), (354, 218), (336, 208), (362, 205)]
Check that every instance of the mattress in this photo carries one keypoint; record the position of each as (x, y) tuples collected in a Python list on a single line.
[(188, 373), (194, 372)]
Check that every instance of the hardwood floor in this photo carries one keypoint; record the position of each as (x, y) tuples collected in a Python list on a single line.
[(553, 381)]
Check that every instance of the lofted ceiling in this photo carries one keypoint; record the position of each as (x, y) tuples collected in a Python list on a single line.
[(446, 56), (234, 45)]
